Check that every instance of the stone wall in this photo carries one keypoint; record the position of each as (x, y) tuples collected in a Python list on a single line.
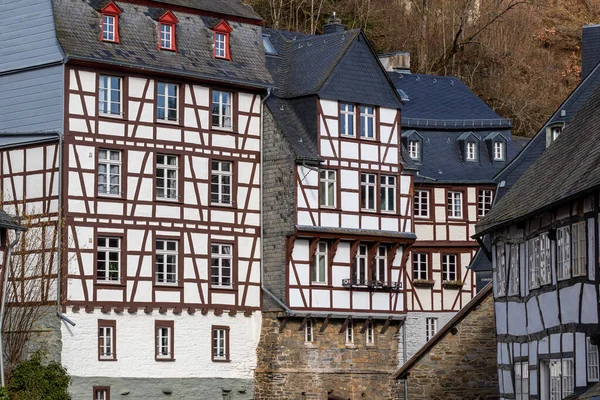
[(461, 365), (289, 368), (416, 330)]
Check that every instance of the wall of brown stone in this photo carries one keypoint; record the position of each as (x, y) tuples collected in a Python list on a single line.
[(288, 368), (459, 366)]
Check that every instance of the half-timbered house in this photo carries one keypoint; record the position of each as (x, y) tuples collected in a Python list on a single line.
[(544, 252), (337, 218), (152, 184)]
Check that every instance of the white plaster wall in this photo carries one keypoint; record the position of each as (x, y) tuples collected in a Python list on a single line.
[(415, 330), (136, 340)]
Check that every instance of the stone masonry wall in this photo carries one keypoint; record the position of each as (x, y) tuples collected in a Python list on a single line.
[(416, 330), (462, 365), (279, 183), (289, 368)]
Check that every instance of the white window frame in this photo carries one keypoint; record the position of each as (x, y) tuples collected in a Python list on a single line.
[(499, 151), (387, 191), (545, 270), (166, 36), (593, 361), (563, 252), (163, 334), (170, 186), (107, 250), (350, 333), (513, 287), (109, 25), (367, 122), (361, 265), (163, 91), (420, 266), (110, 165), (447, 265), (105, 95), (100, 394), (380, 267), (221, 275), (220, 45), (521, 380), (221, 179), (106, 338), (579, 249), (485, 199), (319, 270), (370, 333), (220, 344), (308, 332), (500, 269), (455, 204), (163, 276), (222, 110), (414, 151), (471, 151), (431, 328), (327, 182), (347, 119), (421, 203), (533, 262), (368, 190)]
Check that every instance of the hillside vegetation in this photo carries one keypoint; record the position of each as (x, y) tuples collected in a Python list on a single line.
[(521, 57)]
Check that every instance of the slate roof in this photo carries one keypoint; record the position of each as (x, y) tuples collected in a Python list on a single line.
[(9, 222), (8, 139), (592, 392), (356, 232), (234, 8), (590, 49), (78, 31), (567, 169)]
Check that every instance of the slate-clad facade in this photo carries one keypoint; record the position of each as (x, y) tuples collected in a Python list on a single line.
[(152, 187)]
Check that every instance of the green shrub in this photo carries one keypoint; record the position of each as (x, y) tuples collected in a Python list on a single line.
[(32, 380)]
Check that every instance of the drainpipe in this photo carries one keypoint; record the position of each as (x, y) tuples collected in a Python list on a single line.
[(60, 223), (3, 306), (404, 355)]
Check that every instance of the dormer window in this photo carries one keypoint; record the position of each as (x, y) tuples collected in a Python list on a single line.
[(496, 145), (471, 151), (414, 150), (553, 132), (167, 30), (498, 151), (221, 44), (269, 48), (110, 23)]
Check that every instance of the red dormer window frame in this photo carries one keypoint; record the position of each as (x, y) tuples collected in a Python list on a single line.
[(168, 19), (222, 28), (110, 10)]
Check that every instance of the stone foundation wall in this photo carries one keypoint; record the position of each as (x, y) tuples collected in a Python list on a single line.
[(289, 368)]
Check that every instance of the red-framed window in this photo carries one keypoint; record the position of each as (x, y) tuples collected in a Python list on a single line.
[(221, 41), (166, 32), (110, 23)]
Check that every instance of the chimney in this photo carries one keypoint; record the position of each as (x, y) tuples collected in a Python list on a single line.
[(590, 49), (398, 61), (334, 25)]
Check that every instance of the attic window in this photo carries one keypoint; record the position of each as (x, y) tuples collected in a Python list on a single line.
[(269, 48), (221, 45), (471, 151), (403, 95), (498, 151), (414, 151), (110, 23), (167, 30)]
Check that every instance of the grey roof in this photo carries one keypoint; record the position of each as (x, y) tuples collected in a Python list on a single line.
[(78, 31), (356, 232), (235, 8), (567, 169), (590, 49), (9, 222), (8, 140)]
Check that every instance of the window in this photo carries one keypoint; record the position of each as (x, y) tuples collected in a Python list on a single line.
[(414, 150), (455, 205), (167, 31), (593, 369), (269, 48), (166, 177), (106, 340), (513, 287), (164, 340), (388, 193), (221, 264), (110, 23), (220, 183), (347, 118), (368, 185), (471, 151), (420, 266), (108, 267), (327, 188), (167, 107), (109, 95), (522, 381), (319, 264), (370, 333), (350, 333), (220, 338), (533, 262), (109, 172), (166, 261), (545, 270), (498, 151), (308, 331), (421, 203), (101, 392), (485, 202), (430, 328), (360, 265), (560, 378), (448, 267), (563, 252), (367, 122), (222, 109), (578, 248), (380, 270), (221, 44), (500, 269)]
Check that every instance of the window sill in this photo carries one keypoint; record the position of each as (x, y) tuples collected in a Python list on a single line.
[(221, 361), (173, 286), (309, 345), (423, 283), (109, 284), (320, 284), (164, 359), (168, 201), (223, 288), (223, 206), (452, 284), (350, 346), (107, 359), (371, 345), (168, 123), (107, 196), (222, 129)]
